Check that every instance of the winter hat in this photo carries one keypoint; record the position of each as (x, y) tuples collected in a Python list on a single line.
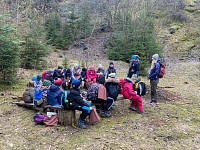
[(51, 71), (91, 67), (58, 82), (46, 83), (39, 77), (100, 66), (76, 83), (68, 71), (155, 56), (34, 79), (60, 67), (75, 65), (84, 69), (112, 75), (133, 56), (111, 63), (128, 79), (31, 84)]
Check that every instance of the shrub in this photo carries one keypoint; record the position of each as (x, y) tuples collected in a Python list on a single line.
[(9, 51)]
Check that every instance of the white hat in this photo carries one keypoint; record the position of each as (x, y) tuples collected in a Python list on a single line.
[(100, 66), (75, 65)]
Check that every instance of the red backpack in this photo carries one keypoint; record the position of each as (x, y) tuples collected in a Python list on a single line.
[(162, 71)]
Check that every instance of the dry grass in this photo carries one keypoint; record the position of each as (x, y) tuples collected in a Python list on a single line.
[(171, 125)]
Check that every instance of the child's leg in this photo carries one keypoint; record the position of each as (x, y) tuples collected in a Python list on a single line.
[(133, 103), (138, 101)]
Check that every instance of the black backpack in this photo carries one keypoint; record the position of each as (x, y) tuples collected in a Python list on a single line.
[(141, 89), (66, 102), (112, 89)]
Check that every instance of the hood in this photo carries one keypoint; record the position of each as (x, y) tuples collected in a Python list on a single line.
[(91, 67), (54, 88), (158, 61)]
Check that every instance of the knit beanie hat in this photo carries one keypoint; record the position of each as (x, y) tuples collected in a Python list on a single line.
[(133, 56), (58, 82), (75, 65), (39, 77), (34, 79), (100, 66), (76, 83), (31, 84), (46, 83), (84, 69), (111, 63), (155, 56)]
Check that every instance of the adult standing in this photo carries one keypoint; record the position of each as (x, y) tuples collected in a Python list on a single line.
[(153, 77), (134, 67)]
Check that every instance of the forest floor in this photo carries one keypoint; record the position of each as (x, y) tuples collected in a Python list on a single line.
[(173, 124)]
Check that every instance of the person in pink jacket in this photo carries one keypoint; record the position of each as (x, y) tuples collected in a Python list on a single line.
[(91, 74), (128, 93)]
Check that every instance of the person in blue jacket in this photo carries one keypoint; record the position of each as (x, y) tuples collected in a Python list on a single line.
[(134, 67), (153, 77), (54, 93)]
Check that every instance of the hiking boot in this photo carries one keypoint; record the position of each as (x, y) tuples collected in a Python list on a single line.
[(132, 108), (105, 114), (81, 124), (141, 112)]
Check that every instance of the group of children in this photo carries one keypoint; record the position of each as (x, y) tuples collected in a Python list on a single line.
[(102, 89)]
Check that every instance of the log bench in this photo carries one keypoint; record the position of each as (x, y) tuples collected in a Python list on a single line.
[(65, 117)]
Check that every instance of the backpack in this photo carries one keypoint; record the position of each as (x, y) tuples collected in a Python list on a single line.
[(141, 89), (92, 92), (38, 118), (38, 100), (112, 89), (162, 71), (65, 101)]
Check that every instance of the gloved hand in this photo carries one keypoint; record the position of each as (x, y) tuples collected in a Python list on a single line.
[(86, 108)]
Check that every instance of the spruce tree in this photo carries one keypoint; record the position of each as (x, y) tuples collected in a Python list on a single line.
[(9, 51)]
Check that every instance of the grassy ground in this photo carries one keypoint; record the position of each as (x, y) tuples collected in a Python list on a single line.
[(170, 125)]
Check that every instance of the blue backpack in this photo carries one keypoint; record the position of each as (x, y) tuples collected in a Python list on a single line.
[(38, 101)]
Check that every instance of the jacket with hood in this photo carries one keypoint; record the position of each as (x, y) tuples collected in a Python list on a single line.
[(54, 95), (134, 67), (91, 73), (76, 99), (76, 73), (110, 70), (57, 73), (126, 89), (155, 71)]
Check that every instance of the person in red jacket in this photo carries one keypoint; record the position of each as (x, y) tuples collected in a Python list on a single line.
[(128, 93), (91, 74)]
